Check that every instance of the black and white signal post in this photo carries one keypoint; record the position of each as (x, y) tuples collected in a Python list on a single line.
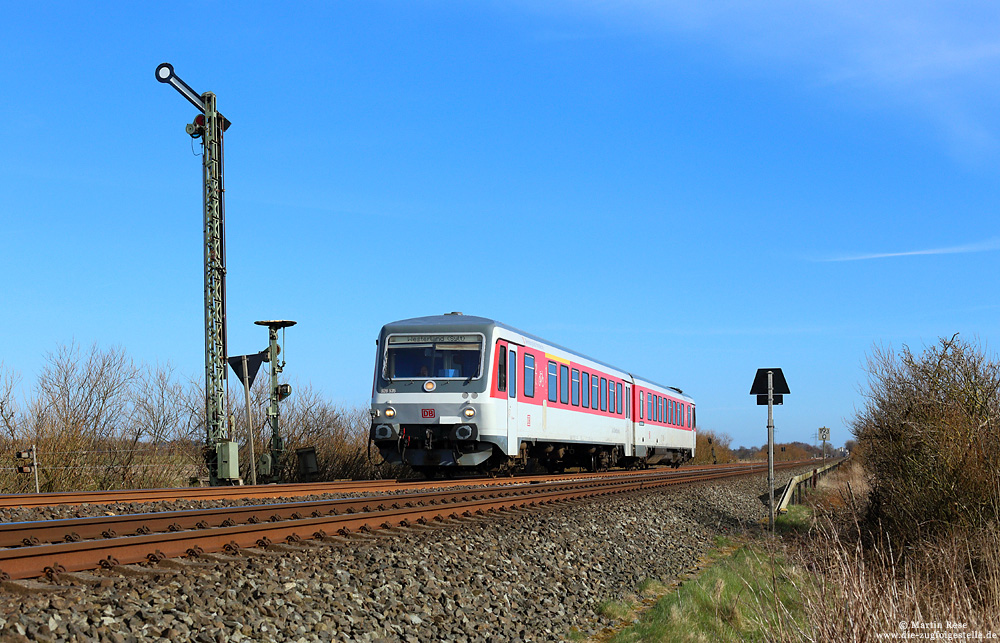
[(770, 388)]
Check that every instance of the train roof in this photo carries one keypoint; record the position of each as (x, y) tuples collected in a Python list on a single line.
[(459, 323)]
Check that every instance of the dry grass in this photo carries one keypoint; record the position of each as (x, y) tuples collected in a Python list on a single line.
[(101, 421), (869, 588), (867, 584)]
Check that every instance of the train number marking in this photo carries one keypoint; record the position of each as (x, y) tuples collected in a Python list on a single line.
[(427, 414)]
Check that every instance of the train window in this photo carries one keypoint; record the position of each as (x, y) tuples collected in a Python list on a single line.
[(670, 412), (618, 396), (529, 375), (564, 384), (628, 402), (585, 390), (423, 356), (694, 418), (649, 408), (604, 394), (553, 382), (660, 410), (642, 401), (611, 396), (576, 387), (501, 368), (513, 373), (595, 390)]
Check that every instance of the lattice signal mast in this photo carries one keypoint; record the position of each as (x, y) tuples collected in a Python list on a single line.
[(221, 452)]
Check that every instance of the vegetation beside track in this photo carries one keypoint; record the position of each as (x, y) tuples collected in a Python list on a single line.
[(732, 599), (102, 420), (904, 540)]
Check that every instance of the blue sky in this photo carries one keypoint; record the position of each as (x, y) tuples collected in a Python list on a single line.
[(687, 190)]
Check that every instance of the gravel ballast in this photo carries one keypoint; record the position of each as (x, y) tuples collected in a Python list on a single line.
[(518, 576)]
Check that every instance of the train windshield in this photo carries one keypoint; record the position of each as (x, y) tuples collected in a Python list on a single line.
[(433, 356)]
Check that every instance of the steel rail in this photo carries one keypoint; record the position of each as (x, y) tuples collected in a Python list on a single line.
[(52, 559), (51, 499), (17, 534)]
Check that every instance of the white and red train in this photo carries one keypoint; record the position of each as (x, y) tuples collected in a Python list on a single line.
[(461, 392)]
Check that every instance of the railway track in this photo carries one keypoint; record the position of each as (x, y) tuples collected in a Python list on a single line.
[(19, 501), (49, 548)]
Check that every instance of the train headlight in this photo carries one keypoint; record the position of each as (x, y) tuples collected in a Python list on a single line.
[(390, 412), (429, 385), (469, 413)]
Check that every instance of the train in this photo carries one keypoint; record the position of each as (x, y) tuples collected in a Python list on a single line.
[(459, 393)]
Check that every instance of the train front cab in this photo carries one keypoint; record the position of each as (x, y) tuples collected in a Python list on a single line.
[(432, 407)]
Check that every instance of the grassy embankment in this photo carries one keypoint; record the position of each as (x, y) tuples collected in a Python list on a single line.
[(903, 541)]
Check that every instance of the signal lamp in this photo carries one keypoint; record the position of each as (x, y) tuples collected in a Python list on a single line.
[(390, 412)]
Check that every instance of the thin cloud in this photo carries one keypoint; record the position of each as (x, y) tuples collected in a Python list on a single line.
[(984, 246), (939, 60)]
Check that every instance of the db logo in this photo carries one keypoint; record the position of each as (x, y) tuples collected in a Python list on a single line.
[(427, 414)]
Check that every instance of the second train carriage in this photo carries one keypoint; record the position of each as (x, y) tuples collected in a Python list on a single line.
[(457, 391)]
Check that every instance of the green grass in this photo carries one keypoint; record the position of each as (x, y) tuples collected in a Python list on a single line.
[(745, 596), (617, 610), (796, 520)]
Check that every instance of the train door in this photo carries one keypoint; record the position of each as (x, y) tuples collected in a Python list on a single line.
[(635, 404), (512, 395)]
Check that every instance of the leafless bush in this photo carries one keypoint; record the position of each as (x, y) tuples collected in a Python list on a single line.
[(711, 447), (98, 421), (101, 421), (866, 586), (339, 435), (928, 436), (307, 419)]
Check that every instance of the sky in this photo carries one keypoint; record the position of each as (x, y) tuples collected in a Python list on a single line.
[(688, 191)]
